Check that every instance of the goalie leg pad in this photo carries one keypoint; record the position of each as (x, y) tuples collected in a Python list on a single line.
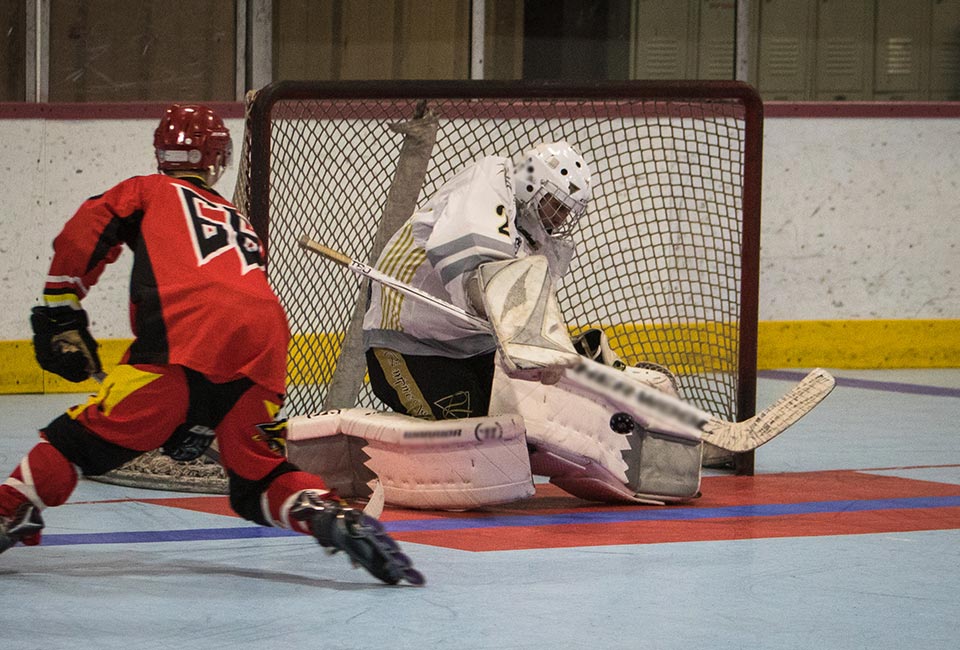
[(443, 464), (597, 449)]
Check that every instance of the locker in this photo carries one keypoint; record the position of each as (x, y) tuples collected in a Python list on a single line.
[(844, 51), (664, 43), (716, 39), (787, 31), (13, 50), (945, 51), (902, 29)]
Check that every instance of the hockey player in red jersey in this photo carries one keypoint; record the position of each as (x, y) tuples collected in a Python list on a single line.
[(208, 360)]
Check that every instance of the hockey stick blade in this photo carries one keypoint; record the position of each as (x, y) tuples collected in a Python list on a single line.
[(773, 420), (667, 414), (596, 378)]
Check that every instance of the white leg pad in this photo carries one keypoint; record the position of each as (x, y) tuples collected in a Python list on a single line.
[(576, 446), (441, 465)]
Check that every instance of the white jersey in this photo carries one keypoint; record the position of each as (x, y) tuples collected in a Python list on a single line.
[(470, 221)]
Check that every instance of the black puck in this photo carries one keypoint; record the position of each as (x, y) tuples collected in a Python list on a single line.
[(622, 423)]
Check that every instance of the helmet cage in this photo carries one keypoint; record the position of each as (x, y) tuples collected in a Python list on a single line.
[(558, 211), (553, 188)]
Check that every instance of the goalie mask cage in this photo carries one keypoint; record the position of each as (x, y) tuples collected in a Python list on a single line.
[(667, 256)]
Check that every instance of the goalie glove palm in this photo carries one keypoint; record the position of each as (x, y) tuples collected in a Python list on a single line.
[(63, 344)]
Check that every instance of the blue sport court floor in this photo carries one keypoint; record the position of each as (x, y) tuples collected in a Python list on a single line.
[(847, 537)]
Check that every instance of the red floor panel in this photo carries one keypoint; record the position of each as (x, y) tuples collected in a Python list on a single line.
[(719, 492)]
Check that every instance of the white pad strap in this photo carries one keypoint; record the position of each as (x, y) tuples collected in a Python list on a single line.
[(519, 299), (444, 464)]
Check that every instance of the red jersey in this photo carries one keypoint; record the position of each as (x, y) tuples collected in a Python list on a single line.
[(199, 295)]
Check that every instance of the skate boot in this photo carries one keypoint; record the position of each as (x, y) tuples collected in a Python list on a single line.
[(363, 538), (23, 523), (656, 376)]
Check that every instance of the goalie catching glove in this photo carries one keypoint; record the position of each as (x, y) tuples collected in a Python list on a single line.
[(63, 344)]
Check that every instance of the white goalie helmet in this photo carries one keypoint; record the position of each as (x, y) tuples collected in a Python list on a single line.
[(553, 185)]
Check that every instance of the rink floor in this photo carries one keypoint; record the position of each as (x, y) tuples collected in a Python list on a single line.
[(847, 537)]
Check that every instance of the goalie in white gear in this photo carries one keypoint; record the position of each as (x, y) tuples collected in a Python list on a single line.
[(431, 365), (492, 242)]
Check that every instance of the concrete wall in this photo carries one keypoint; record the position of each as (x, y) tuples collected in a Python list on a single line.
[(860, 215), (861, 219)]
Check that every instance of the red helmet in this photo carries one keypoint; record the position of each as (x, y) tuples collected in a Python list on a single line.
[(192, 136)]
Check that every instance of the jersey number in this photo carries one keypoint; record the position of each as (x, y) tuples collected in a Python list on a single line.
[(216, 229), (504, 228)]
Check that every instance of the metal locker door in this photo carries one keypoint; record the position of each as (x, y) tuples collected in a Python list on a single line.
[(664, 43), (785, 52), (902, 31), (716, 41), (844, 50), (945, 51)]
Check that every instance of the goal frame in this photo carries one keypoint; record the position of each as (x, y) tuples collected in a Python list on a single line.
[(259, 154)]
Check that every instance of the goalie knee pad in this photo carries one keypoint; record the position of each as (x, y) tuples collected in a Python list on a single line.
[(601, 449), (431, 464)]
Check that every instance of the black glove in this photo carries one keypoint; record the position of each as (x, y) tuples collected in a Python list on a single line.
[(189, 442), (62, 343)]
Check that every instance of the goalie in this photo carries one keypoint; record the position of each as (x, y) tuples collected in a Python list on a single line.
[(426, 363), (492, 241)]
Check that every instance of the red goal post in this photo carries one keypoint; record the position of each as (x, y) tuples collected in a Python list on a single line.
[(668, 254)]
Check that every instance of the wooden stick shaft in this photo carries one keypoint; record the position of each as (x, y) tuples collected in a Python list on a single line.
[(369, 272)]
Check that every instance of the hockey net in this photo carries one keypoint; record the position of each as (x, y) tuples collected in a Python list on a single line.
[(668, 253), (667, 259)]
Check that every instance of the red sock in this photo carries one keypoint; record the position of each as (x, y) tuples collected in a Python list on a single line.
[(43, 477), (280, 495)]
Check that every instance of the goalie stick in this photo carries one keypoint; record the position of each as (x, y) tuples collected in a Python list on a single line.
[(608, 382)]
